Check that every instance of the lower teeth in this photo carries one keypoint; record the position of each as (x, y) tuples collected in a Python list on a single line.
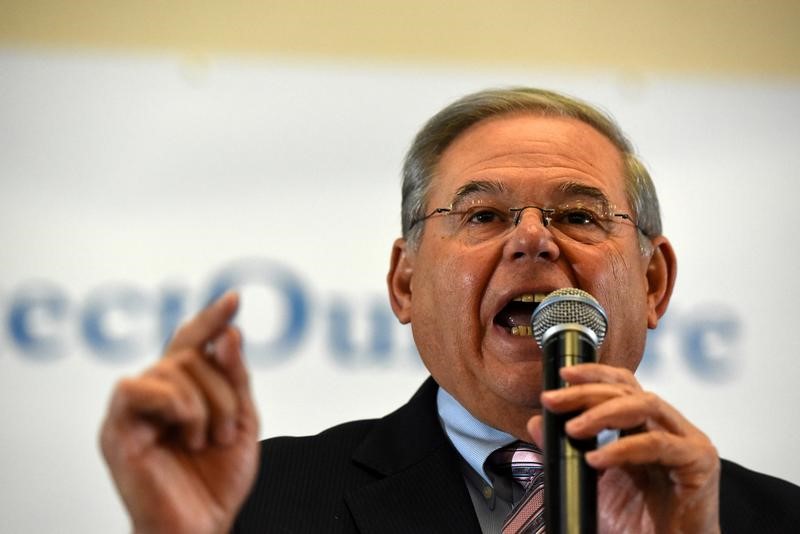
[(522, 331)]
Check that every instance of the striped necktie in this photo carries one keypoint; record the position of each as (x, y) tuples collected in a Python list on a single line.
[(524, 462)]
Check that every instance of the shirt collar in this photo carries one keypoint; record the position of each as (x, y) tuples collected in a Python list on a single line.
[(473, 439)]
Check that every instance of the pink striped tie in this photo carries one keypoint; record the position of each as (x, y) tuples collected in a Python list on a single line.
[(524, 461)]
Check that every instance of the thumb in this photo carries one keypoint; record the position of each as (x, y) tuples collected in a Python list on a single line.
[(535, 431)]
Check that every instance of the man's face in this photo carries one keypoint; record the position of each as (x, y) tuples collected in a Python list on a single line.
[(457, 291)]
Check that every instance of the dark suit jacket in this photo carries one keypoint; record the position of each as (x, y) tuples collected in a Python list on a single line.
[(400, 474)]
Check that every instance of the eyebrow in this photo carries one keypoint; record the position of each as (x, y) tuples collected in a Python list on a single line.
[(477, 186), (571, 189), (583, 190)]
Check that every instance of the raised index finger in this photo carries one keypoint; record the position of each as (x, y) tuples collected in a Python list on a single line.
[(206, 325)]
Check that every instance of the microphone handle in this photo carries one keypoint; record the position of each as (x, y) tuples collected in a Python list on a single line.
[(570, 484)]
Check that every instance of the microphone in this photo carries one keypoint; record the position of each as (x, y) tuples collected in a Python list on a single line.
[(569, 325)]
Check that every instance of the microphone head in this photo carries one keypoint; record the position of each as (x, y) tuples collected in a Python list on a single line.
[(569, 305)]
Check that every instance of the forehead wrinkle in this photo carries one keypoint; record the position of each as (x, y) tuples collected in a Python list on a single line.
[(566, 147), (587, 162), (537, 161), (580, 163), (566, 150), (560, 158), (573, 142)]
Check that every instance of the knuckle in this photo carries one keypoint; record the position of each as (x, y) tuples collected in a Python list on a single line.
[(230, 407), (159, 370), (223, 403), (193, 404), (195, 413), (660, 439), (188, 408), (182, 331), (651, 401), (180, 357), (708, 448), (164, 370), (625, 376)]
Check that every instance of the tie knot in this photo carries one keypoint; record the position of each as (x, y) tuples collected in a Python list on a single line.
[(523, 461)]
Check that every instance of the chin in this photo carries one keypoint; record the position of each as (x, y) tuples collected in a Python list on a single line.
[(523, 392)]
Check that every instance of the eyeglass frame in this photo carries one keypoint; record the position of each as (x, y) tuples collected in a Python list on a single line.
[(516, 213)]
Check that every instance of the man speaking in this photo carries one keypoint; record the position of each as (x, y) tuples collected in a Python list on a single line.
[(508, 195)]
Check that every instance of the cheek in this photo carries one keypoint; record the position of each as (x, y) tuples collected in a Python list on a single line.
[(609, 273), (618, 282), (458, 279), (447, 297)]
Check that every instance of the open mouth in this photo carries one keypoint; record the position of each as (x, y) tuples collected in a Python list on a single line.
[(515, 317)]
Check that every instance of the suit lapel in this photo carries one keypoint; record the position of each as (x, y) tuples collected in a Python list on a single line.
[(420, 486)]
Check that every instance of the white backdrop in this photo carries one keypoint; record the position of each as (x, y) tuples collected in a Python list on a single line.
[(132, 186)]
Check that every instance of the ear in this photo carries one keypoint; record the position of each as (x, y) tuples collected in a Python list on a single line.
[(662, 269), (399, 280)]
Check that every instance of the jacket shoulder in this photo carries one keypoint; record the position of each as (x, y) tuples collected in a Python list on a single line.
[(299, 474), (342, 438), (396, 474), (755, 502)]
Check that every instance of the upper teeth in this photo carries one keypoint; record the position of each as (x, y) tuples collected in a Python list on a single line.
[(530, 297)]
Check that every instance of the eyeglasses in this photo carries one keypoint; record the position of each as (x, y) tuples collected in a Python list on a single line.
[(584, 220)]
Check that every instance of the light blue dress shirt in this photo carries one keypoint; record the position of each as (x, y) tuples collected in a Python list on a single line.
[(473, 440)]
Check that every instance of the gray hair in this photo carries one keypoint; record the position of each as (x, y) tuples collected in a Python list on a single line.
[(443, 128)]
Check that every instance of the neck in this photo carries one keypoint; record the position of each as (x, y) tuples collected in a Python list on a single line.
[(510, 418)]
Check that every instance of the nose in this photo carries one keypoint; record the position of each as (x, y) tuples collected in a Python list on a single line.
[(531, 237)]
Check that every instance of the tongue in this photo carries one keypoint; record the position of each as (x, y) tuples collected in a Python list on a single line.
[(519, 318), (516, 314)]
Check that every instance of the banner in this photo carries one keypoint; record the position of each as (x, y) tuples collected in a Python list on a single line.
[(135, 188)]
